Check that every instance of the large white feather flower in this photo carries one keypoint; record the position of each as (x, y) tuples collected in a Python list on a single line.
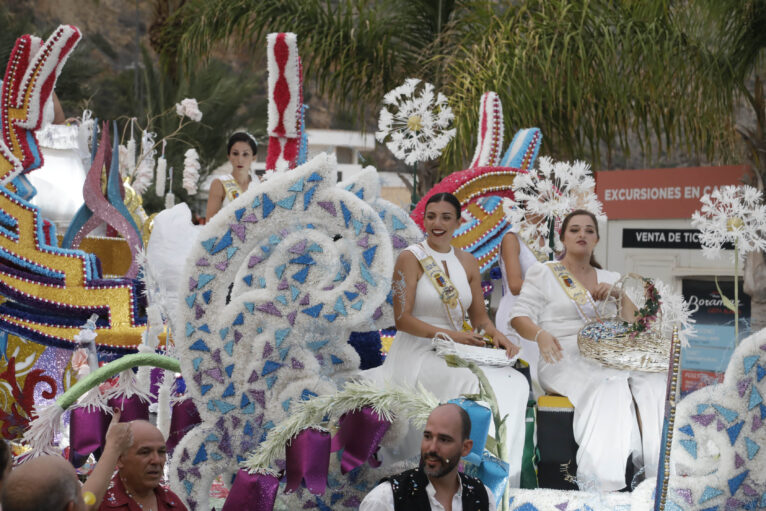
[(674, 311), (731, 214), (415, 121), (547, 195), (191, 171), (188, 107)]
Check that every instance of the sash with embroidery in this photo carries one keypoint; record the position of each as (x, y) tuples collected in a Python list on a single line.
[(231, 188), (576, 292), (444, 287)]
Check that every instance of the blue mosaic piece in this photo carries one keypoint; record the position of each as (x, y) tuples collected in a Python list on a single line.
[(527, 506), (287, 202), (229, 348), (314, 310), (330, 317), (340, 306), (223, 332), (369, 254), (280, 270), (280, 336), (269, 367), (308, 196), (366, 275), (207, 295), (755, 398), (204, 389), (346, 213), (196, 362), (223, 243), (239, 320), (212, 437), (672, 506), (317, 345), (270, 381), (397, 224), (261, 282), (268, 206), (369, 229), (244, 401), (749, 362), (204, 279), (307, 394), (729, 415), (314, 248), (301, 275), (209, 244), (294, 292), (238, 214), (229, 390), (286, 404), (763, 411), (761, 372), (357, 226), (687, 429), (691, 447), (283, 353), (191, 299), (216, 456), (204, 328), (733, 431), (250, 306), (350, 295), (230, 252), (229, 370), (223, 406), (297, 186), (701, 408), (303, 259), (357, 305), (199, 345), (752, 448), (188, 486), (248, 429), (248, 279), (711, 508), (189, 329), (256, 202), (336, 360), (314, 177), (736, 481)]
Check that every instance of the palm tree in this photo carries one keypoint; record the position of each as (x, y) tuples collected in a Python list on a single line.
[(598, 77)]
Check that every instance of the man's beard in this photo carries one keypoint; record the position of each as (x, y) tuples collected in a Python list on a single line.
[(446, 464)]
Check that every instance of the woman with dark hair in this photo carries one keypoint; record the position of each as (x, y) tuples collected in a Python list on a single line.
[(6, 461), (435, 287), (241, 150), (617, 413)]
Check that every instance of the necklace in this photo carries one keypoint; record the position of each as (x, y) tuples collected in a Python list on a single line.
[(133, 497)]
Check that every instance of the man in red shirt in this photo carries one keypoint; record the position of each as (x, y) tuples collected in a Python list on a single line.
[(136, 486)]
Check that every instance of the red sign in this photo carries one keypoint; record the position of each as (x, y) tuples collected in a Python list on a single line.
[(661, 193)]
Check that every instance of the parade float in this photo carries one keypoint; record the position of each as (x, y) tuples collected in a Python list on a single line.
[(254, 379)]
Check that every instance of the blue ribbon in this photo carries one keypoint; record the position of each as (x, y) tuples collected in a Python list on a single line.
[(480, 418), (493, 472)]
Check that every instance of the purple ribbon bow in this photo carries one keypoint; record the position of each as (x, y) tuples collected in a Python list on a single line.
[(359, 434), (182, 419), (87, 433), (252, 492), (133, 408), (307, 458)]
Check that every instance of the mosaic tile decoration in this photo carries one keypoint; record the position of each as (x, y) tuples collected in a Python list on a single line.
[(309, 262)]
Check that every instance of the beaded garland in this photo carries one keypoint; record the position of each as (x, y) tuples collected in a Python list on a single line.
[(309, 262), (490, 136)]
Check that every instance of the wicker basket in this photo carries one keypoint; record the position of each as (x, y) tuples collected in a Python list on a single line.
[(444, 345), (610, 342)]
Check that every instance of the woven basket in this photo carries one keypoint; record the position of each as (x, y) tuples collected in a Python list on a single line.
[(610, 342), (444, 345)]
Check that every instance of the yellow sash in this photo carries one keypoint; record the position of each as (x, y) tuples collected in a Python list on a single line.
[(575, 291), (231, 188)]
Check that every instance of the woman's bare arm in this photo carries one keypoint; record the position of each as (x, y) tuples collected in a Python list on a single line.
[(509, 250)]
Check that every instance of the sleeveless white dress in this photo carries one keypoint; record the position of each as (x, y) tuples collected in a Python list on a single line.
[(529, 351), (605, 421), (412, 361)]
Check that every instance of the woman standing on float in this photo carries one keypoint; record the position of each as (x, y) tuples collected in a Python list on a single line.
[(241, 150), (556, 301), (420, 313)]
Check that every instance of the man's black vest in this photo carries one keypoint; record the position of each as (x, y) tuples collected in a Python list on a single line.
[(410, 492)]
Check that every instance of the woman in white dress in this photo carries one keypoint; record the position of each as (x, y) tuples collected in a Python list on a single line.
[(616, 412), (420, 314), (515, 259), (241, 149)]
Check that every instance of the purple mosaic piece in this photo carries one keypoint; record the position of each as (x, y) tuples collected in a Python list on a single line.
[(222, 265), (749, 491), (352, 502), (254, 259), (239, 230), (198, 378), (185, 455), (377, 314), (310, 504), (738, 461), (259, 396), (267, 350), (195, 472), (253, 377), (251, 218), (361, 287), (299, 247), (216, 355), (198, 311), (296, 364), (269, 308), (742, 386), (329, 207), (237, 336), (562, 506), (291, 318), (225, 444), (283, 285), (202, 262), (220, 423), (364, 242), (757, 422), (705, 420), (181, 474), (398, 242), (304, 300), (192, 284), (235, 422), (215, 374), (720, 426)]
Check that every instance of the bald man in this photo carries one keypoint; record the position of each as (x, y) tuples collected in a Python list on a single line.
[(45, 483), (436, 484), (139, 473)]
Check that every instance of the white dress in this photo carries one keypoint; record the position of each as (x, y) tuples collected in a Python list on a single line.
[(412, 361), (605, 423), (529, 351)]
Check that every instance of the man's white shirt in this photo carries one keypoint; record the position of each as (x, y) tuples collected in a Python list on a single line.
[(381, 498)]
